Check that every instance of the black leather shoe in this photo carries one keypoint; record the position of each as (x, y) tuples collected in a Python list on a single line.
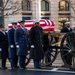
[(17, 67), (22, 68), (13, 68), (4, 68)]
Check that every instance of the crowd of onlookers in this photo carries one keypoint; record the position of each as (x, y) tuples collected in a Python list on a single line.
[(14, 45)]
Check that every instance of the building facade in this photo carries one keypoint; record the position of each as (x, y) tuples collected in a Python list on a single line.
[(59, 11)]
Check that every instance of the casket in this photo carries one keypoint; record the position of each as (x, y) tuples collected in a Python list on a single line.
[(47, 25)]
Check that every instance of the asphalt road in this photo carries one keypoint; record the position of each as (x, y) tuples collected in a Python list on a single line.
[(35, 72)]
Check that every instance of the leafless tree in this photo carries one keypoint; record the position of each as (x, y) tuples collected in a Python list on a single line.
[(9, 7)]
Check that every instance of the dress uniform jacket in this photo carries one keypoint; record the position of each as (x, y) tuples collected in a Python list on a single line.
[(21, 39), (65, 30), (68, 57), (4, 45), (12, 51), (36, 39)]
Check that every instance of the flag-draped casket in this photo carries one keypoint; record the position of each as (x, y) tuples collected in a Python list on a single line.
[(47, 25)]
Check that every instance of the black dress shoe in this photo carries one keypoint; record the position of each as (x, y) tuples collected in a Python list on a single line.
[(17, 67), (4, 68), (64, 66), (38, 68), (13, 68), (22, 68)]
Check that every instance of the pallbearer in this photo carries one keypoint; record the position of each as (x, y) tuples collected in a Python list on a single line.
[(36, 41), (21, 41), (12, 47)]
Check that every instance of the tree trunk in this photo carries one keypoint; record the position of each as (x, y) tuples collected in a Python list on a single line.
[(2, 13)]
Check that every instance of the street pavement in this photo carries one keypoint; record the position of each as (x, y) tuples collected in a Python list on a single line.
[(55, 69)]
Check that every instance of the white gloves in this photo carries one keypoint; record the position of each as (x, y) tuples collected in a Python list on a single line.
[(0, 49), (11, 46), (17, 46), (32, 46)]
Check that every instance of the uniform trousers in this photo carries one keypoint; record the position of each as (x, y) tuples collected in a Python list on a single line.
[(14, 62), (36, 63), (22, 61), (4, 62)]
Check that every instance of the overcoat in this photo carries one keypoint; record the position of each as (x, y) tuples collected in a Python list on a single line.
[(11, 41), (21, 39), (4, 45), (36, 39)]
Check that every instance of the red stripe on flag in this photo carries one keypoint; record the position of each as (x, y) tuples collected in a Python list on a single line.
[(48, 25)]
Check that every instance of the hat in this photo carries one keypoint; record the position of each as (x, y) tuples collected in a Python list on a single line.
[(36, 21), (14, 23), (21, 22), (1, 26), (67, 22)]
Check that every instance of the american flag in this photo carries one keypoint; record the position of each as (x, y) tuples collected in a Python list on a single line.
[(47, 25)]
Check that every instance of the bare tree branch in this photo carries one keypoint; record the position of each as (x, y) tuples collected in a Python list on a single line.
[(6, 3), (9, 7)]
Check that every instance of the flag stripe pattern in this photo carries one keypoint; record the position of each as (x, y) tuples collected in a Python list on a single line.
[(47, 25)]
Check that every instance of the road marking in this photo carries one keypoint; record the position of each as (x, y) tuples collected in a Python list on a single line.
[(54, 69), (51, 70)]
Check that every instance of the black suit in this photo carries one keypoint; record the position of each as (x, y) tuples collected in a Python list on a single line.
[(4, 47)]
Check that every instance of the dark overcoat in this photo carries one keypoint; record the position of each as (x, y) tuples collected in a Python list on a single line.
[(11, 41), (21, 39), (36, 39), (4, 44)]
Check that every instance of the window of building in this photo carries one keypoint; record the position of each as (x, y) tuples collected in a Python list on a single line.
[(0, 3), (26, 18), (63, 6), (0, 19), (45, 18), (62, 20), (26, 5), (44, 5)]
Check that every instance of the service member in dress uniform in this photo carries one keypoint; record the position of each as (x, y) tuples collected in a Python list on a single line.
[(12, 47), (21, 40), (67, 29), (36, 42), (3, 46)]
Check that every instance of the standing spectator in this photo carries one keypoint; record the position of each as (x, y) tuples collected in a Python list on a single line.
[(12, 47), (3, 46), (36, 42), (68, 57), (21, 40)]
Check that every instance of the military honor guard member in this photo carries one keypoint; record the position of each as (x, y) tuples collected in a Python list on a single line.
[(67, 29), (21, 40), (3, 46), (12, 47), (36, 42)]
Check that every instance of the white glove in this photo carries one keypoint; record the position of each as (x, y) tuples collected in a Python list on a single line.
[(0, 49), (32, 46), (17, 46), (11, 46)]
